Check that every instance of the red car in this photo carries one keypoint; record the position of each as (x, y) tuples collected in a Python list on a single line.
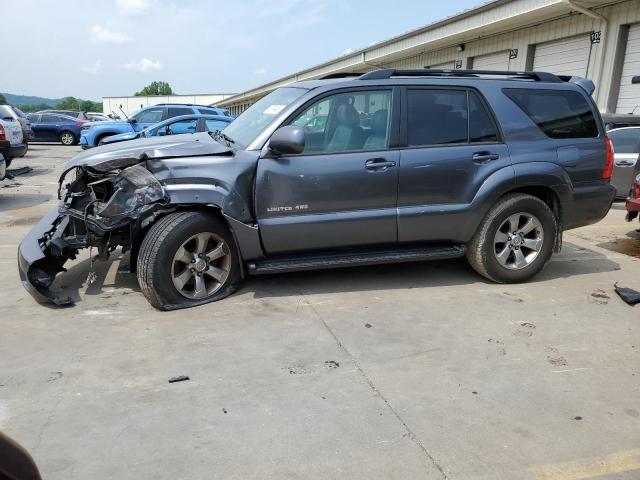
[(633, 201)]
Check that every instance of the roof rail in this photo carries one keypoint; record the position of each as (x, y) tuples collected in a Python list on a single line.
[(341, 75), (427, 72)]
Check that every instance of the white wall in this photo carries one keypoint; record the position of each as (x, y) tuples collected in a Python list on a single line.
[(131, 105)]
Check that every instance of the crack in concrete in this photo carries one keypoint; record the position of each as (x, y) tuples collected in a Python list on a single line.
[(375, 390)]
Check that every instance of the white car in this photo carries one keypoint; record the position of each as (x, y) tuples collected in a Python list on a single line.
[(626, 148), (11, 142)]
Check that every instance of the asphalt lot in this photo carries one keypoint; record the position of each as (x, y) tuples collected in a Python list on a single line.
[(418, 371)]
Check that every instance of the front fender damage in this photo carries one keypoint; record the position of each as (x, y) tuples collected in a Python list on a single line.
[(101, 210)]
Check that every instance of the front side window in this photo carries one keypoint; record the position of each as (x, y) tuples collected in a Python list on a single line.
[(625, 140), (151, 115), (436, 117), (350, 121), (558, 113), (258, 116)]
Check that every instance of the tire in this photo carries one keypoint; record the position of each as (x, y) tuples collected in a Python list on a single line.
[(7, 162), (67, 138), (102, 137), (26, 150), (493, 251), (159, 272)]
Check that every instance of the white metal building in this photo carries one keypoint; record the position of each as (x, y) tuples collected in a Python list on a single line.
[(133, 104), (598, 39)]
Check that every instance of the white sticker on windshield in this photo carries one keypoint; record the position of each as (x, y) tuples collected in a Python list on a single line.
[(274, 109)]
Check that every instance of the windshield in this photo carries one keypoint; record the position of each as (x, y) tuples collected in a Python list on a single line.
[(244, 129)]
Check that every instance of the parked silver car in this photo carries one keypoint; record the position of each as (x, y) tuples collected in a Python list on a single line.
[(626, 147)]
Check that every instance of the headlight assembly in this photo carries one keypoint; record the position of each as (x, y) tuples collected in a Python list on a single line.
[(133, 187)]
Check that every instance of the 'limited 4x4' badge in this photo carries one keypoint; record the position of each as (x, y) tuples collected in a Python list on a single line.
[(287, 208)]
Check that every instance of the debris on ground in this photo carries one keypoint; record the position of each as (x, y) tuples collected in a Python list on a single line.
[(18, 171), (179, 378), (331, 364), (600, 297), (367, 325), (629, 295)]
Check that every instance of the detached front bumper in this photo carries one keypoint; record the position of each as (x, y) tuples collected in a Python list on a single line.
[(38, 269)]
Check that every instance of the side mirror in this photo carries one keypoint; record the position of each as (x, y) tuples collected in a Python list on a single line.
[(132, 121), (162, 132), (287, 141), (635, 80)]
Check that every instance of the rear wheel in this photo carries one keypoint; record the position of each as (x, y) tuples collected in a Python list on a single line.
[(187, 259), (515, 240), (67, 138)]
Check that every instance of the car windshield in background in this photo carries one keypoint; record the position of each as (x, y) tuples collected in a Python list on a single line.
[(625, 140), (252, 121)]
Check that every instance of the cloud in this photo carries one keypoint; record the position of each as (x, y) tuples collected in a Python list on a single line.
[(93, 69), (348, 51), (132, 7), (102, 35), (143, 65), (260, 71)]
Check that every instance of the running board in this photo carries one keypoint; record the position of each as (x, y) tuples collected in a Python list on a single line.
[(353, 259)]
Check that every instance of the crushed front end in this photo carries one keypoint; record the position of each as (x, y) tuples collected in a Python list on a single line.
[(98, 208)]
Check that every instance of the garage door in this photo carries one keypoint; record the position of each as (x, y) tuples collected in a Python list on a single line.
[(493, 61), (629, 95), (569, 56), (444, 66)]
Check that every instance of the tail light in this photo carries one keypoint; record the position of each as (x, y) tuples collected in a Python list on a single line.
[(608, 164), (2, 134), (79, 124)]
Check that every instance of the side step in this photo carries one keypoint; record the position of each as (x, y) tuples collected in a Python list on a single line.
[(351, 259)]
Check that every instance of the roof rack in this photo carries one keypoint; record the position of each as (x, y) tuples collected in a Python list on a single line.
[(427, 72), (341, 75)]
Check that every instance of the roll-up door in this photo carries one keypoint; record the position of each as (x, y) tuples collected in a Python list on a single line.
[(492, 61), (567, 56), (629, 95)]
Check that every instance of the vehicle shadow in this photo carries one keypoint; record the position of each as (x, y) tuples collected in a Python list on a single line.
[(113, 277)]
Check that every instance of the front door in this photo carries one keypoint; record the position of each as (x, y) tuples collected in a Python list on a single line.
[(453, 146), (342, 190), (147, 118)]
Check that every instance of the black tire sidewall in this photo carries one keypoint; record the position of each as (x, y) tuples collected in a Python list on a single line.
[(162, 282), (534, 207)]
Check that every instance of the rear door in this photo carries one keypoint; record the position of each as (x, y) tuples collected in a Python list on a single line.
[(342, 190), (48, 127), (452, 146)]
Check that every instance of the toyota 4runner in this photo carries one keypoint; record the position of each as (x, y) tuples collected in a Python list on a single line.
[(406, 165)]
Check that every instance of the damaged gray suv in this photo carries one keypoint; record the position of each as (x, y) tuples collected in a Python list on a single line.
[(386, 166)]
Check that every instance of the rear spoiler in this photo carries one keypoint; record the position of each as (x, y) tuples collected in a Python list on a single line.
[(586, 84)]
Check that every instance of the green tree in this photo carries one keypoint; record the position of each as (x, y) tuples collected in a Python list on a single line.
[(155, 88), (30, 108), (3, 99)]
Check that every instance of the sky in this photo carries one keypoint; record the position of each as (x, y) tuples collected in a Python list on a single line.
[(94, 48)]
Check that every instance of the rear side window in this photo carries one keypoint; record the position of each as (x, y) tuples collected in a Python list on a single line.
[(436, 117), (481, 126), (179, 111), (558, 113), (50, 118), (625, 140), (207, 111)]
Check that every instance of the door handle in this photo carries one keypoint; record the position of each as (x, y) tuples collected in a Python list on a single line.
[(624, 163), (378, 164), (483, 157)]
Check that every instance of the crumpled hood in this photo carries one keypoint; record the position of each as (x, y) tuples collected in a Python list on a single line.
[(120, 155)]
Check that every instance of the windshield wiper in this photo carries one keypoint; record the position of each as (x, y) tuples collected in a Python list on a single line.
[(218, 135)]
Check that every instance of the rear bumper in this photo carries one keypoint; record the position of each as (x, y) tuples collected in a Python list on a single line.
[(587, 204), (9, 151), (36, 264)]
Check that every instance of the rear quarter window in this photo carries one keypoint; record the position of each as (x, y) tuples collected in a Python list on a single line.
[(558, 113)]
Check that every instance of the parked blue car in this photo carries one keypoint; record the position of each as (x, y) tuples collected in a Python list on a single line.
[(94, 132), (175, 126), (54, 127)]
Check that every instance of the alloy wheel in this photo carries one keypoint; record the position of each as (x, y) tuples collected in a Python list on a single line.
[(201, 266), (67, 139), (518, 241)]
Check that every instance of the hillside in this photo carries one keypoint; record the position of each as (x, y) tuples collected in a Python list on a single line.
[(29, 100)]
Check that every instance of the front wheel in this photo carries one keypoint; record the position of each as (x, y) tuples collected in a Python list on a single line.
[(187, 259), (67, 138), (515, 240)]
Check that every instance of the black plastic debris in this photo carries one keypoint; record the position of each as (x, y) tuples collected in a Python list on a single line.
[(629, 295), (179, 378)]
